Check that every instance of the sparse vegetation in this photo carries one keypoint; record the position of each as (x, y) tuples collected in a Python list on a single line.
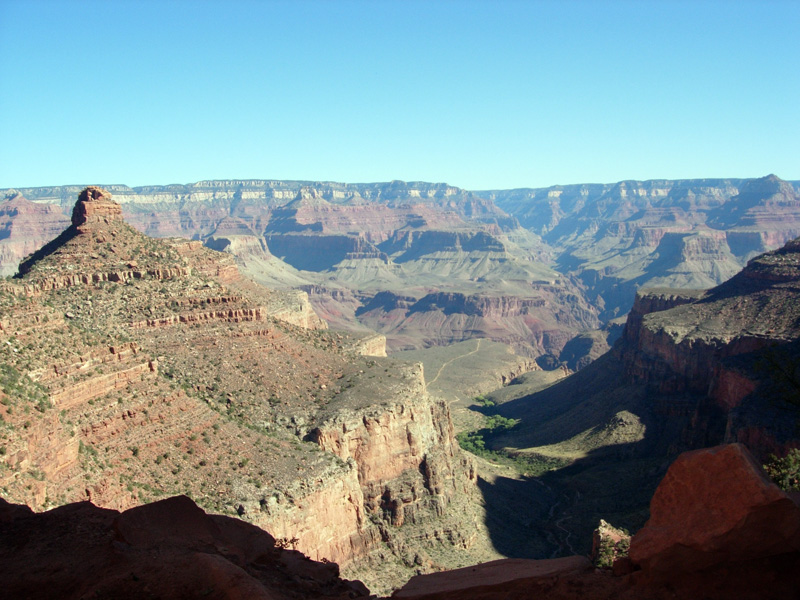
[(613, 543), (785, 472)]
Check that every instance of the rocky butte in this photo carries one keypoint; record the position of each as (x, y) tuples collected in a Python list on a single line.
[(347, 244), (134, 369)]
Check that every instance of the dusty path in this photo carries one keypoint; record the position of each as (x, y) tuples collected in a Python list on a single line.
[(563, 546), (451, 361)]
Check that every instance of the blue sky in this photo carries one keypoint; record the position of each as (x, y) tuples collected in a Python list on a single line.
[(490, 94)]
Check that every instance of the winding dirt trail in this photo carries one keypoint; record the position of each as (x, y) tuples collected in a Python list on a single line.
[(568, 534), (452, 360), (560, 545)]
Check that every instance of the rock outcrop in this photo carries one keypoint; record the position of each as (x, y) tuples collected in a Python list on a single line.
[(729, 347), (167, 549), (718, 529), (132, 367), (715, 507), (95, 206), (508, 579)]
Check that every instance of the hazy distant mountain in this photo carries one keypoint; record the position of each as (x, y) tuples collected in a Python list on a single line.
[(689, 233), (431, 264)]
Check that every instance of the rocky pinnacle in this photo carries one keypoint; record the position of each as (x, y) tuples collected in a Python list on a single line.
[(95, 205)]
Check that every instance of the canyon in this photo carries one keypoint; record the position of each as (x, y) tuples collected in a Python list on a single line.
[(134, 368), (617, 238), (718, 529), (692, 369), (431, 264)]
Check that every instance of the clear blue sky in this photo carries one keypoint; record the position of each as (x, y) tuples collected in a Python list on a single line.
[(490, 94)]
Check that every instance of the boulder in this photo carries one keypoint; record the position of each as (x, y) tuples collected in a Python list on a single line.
[(715, 506)]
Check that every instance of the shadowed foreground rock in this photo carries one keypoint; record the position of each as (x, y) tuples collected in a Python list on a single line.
[(168, 549), (510, 578), (713, 507), (718, 529)]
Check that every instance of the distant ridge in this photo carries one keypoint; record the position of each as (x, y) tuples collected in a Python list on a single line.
[(586, 248)]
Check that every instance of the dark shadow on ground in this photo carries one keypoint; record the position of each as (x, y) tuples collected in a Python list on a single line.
[(554, 515)]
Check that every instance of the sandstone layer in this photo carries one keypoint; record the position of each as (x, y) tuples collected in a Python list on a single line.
[(694, 526), (134, 368)]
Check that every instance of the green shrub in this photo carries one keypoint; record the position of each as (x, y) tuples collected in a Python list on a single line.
[(785, 472)]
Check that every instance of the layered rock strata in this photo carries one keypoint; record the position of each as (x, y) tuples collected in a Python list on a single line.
[(732, 348), (205, 383), (682, 234), (362, 239), (25, 227)]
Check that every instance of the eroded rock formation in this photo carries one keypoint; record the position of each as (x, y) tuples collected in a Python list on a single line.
[(718, 529), (715, 506), (350, 242), (133, 367), (732, 347), (682, 234)]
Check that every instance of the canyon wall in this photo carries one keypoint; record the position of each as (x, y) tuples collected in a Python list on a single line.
[(595, 245), (363, 239), (731, 348), (178, 375), (24, 228), (683, 233)]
